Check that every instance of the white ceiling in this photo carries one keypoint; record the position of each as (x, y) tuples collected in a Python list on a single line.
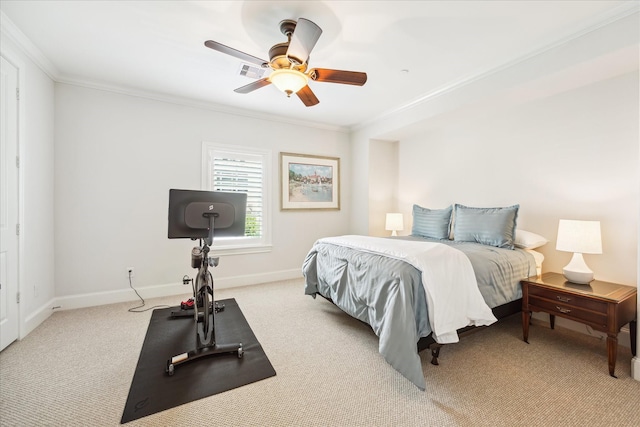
[(409, 49)]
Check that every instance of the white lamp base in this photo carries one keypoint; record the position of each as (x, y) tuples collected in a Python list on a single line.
[(393, 233), (577, 270)]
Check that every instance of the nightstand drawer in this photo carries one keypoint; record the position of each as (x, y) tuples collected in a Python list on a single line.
[(565, 310), (569, 299)]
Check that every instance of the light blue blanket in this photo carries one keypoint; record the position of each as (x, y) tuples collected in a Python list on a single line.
[(387, 293)]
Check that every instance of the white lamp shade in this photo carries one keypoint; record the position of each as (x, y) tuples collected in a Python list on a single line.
[(288, 81), (579, 236), (394, 222)]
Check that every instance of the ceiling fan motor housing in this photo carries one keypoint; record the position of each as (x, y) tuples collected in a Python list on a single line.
[(278, 53), (279, 59)]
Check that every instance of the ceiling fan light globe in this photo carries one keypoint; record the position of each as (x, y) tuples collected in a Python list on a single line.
[(288, 81)]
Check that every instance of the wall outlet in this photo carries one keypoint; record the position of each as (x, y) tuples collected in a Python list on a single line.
[(131, 272)]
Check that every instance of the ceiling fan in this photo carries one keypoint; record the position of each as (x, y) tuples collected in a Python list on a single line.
[(289, 62)]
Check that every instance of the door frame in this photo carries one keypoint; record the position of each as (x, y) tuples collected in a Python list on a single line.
[(14, 58)]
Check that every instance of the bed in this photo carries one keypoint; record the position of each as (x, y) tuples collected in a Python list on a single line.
[(420, 291)]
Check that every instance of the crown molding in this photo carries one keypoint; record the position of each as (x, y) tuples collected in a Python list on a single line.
[(622, 11), (203, 105), (13, 33)]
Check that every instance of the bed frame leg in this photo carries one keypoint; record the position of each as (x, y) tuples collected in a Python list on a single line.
[(435, 352)]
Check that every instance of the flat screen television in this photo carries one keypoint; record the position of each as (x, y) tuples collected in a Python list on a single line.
[(191, 213)]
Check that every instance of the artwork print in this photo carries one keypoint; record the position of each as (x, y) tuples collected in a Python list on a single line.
[(309, 182)]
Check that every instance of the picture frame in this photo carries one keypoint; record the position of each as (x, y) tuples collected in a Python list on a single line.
[(309, 182)]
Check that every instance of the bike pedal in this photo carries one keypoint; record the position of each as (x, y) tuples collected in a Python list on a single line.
[(187, 305)]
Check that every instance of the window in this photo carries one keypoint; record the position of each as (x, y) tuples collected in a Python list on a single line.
[(241, 169)]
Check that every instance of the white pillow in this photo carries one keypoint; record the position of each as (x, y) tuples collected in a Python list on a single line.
[(528, 240)]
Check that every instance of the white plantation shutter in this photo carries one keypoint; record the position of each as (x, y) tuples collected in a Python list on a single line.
[(242, 175), (244, 170)]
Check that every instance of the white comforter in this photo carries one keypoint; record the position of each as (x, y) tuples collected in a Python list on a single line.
[(453, 298)]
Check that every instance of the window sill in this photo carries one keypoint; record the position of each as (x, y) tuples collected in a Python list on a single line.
[(240, 250)]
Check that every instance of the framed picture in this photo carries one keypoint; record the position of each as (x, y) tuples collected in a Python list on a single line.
[(309, 182)]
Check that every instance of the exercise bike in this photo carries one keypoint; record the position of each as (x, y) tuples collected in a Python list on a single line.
[(205, 307)]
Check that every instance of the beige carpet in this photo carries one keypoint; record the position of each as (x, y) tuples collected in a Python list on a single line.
[(76, 369)]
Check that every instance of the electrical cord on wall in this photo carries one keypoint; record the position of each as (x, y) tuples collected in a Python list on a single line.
[(591, 332), (135, 309)]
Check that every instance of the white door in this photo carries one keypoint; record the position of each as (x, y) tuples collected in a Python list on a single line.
[(8, 204)]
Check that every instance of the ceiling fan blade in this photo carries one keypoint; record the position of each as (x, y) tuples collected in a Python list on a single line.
[(253, 86), (234, 52), (307, 96), (304, 38), (338, 76)]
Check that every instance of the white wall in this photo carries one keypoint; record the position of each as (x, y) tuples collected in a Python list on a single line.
[(573, 155), (117, 156), (383, 184), (36, 146), (359, 219), (599, 54)]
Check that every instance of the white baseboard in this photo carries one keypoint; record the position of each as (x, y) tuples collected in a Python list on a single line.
[(256, 279), (93, 299), (635, 368), (124, 295), (623, 336), (36, 318)]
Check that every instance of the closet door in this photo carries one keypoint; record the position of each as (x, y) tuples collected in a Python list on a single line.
[(9, 297)]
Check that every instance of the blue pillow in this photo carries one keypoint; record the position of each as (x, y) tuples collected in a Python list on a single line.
[(434, 223), (489, 226)]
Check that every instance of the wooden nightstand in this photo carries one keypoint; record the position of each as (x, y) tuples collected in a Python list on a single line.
[(604, 306)]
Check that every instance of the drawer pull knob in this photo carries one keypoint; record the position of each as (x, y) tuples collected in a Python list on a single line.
[(563, 299), (563, 310)]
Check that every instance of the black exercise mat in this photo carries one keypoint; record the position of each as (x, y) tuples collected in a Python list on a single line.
[(152, 390)]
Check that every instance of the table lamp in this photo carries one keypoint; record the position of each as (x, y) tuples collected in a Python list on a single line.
[(394, 223), (579, 237)]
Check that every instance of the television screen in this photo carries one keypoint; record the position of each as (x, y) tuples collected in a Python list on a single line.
[(190, 213)]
